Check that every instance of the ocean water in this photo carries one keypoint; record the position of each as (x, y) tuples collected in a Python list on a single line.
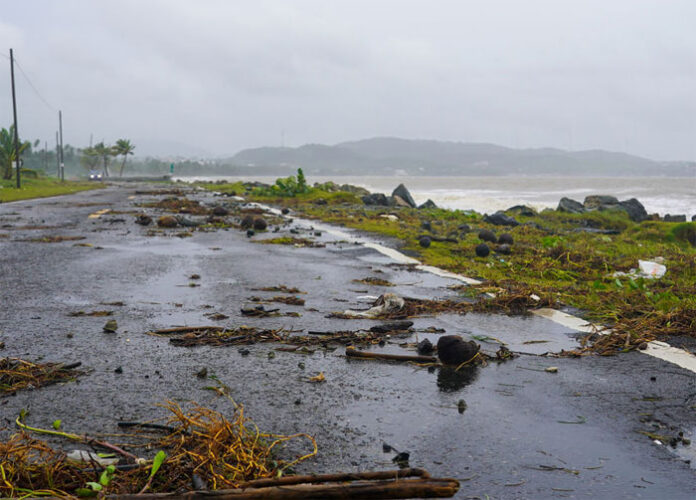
[(662, 195)]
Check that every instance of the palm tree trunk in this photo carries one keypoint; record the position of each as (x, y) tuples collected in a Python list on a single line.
[(123, 164)]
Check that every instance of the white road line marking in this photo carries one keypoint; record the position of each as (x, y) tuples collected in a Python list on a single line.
[(98, 213)]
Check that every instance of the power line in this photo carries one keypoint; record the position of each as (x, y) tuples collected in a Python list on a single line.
[(33, 87)]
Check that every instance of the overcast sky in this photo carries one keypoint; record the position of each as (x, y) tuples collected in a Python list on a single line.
[(227, 75)]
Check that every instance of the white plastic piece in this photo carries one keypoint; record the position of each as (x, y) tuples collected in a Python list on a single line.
[(651, 269)]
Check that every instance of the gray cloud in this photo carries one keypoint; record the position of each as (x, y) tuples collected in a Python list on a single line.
[(223, 75)]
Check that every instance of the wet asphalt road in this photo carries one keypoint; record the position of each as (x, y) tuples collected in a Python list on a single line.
[(516, 438)]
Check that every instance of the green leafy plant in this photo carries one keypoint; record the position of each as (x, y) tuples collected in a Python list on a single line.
[(286, 186)]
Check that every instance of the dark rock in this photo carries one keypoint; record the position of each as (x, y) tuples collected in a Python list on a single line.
[(403, 193), (522, 210), (426, 225), (392, 326), (202, 373), (250, 233), (260, 224), (425, 347), (111, 326), (184, 222), (505, 238), (674, 218), (461, 406), (454, 350), (285, 210), (693, 218), (504, 249), (500, 219), (600, 202), (247, 221), (424, 241), (487, 235), (635, 209), (464, 228), (244, 351), (570, 206), (379, 199), (401, 459), (119, 370), (428, 204), (167, 221), (349, 188), (482, 250), (220, 211), (317, 233), (143, 220)]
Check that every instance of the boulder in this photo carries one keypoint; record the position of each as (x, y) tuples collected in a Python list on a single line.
[(247, 221), (426, 225), (600, 202), (464, 228), (349, 188), (285, 210), (425, 347), (453, 350), (424, 241), (693, 218), (379, 199), (522, 210), (260, 224), (500, 219), (505, 238), (570, 206), (428, 204), (487, 235), (220, 211), (167, 221), (403, 193), (674, 218), (635, 209), (482, 250)]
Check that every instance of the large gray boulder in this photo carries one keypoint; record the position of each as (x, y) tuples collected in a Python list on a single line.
[(634, 209), (379, 199), (404, 194), (428, 204), (674, 218), (570, 206), (600, 202), (500, 219)]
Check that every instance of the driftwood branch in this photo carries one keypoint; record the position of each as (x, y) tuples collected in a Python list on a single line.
[(186, 329), (354, 353), (367, 485)]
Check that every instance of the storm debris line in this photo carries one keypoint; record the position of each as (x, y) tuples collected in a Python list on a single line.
[(279, 289), (16, 374), (290, 300), (219, 336), (202, 447)]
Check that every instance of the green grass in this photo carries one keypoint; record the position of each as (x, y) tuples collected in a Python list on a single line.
[(41, 188)]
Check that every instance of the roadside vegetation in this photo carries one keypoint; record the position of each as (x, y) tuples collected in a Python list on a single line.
[(581, 261), (37, 186)]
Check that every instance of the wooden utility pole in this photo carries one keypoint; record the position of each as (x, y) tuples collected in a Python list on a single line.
[(14, 110), (57, 156), (60, 127)]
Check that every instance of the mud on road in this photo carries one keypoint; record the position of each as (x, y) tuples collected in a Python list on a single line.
[(524, 432)]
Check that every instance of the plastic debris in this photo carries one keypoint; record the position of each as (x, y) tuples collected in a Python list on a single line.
[(386, 303)]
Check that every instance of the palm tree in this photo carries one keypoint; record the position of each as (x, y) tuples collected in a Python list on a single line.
[(125, 148), (89, 158), (105, 153), (7, 151)]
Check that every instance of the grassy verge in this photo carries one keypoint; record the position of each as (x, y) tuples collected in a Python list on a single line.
[(42, 188), (553, 256)]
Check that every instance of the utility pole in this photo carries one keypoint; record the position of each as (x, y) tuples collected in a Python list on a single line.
[(60, 127), (45, 162), (14, 110), (57, 156)]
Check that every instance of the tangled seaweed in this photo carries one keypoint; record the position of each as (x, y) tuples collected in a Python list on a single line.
[(16, 374), (201, 444)]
